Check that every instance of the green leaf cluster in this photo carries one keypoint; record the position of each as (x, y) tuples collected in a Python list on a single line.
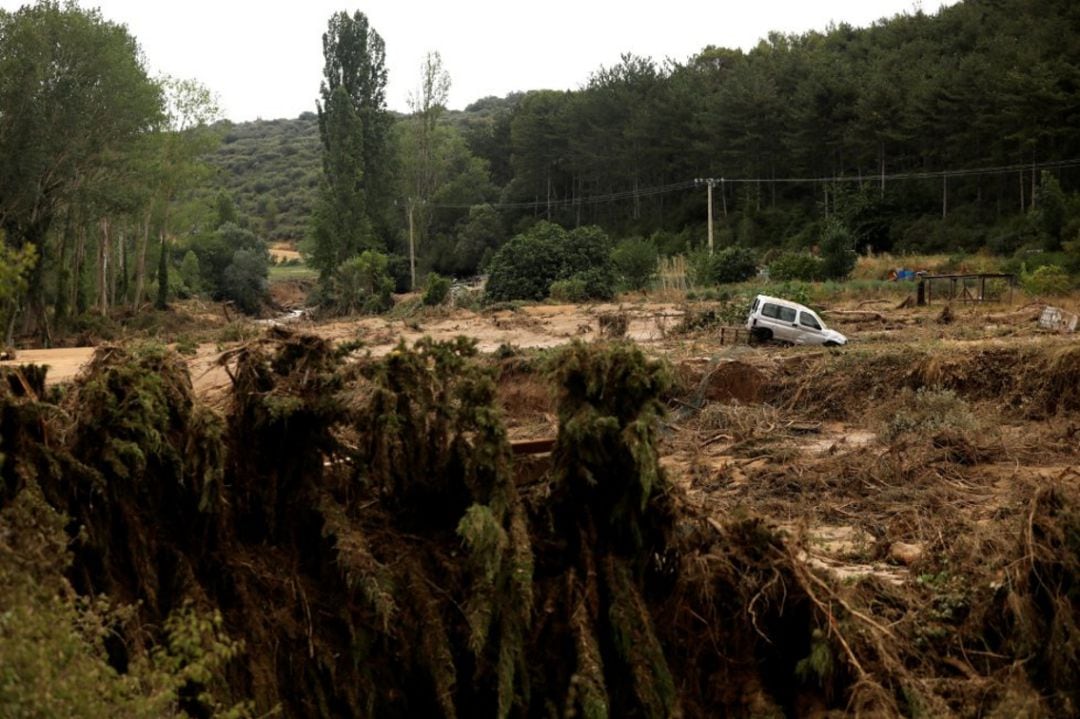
[(731, 264), (526, 266)]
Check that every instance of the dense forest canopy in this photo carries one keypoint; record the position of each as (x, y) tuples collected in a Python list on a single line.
[(953, 131)]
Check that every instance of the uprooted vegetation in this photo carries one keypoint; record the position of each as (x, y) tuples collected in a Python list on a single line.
[(372, 547)]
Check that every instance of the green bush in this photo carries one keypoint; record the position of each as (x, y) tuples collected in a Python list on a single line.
[(571, 290), (215, 252), (635, 262), (53, 644), (796, 266), (437, 289), (244, 281), (477, 238), (361, 284), (731, 264), (599, 282), (1047, 280), (190, 282), (838, 256), (526, 266)]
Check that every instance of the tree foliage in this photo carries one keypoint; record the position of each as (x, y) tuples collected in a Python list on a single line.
[(244, 280), (635, 260), (796, 266), (353, 128), (360, 284), (526, 266), (731, 264), (74, 100), (838, 254)]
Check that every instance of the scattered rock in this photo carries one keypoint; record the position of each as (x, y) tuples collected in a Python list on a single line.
[(904, 553)]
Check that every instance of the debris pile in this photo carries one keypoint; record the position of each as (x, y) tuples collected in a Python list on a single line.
[(362, 531)]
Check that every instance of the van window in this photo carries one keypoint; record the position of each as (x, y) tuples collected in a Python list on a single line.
[(786, 314), (807, 320), (754, 306), (770, 310)]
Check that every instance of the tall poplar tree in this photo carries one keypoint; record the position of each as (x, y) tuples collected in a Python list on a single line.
[(353, 127)]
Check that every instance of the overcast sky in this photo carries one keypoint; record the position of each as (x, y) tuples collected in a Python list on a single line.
[(264, 59)]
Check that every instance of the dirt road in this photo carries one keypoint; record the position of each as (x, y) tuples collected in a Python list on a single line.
[(63, 363)]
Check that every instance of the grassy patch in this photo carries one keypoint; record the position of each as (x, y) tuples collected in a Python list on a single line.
[(283, 272)]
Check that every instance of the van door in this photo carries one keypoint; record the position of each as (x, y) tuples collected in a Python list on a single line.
[(786, 328), (809, 329)]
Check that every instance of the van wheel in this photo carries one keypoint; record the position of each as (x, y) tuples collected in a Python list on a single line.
[(830, 343), (761, 334)]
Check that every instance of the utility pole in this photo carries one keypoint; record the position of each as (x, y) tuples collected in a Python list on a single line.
[(710, 183)]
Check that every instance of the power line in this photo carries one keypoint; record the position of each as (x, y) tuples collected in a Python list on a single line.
[(689, 184)]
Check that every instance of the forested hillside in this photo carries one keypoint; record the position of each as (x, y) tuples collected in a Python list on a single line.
[(922, 132), (271, 168)]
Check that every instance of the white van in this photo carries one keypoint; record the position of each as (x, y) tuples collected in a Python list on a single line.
[(772, 318)]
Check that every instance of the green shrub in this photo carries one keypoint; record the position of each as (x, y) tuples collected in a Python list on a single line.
[(571, 290), (244, 281), (361, 284), (53, 644), (731, 264), (477, 238), (237, 332), (437, 290), (187, 346), (796, 266), (525, 267), (795, 292), (838, 256), (215, 252), (599, 282), (190, 282), (635, 262), (1047, 280)]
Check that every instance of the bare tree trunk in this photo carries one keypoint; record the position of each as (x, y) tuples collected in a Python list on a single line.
[(882, 156), (140, 260), (579, 184), (103, 268), (549, 195), (114, 268), (76, 277), (1023, 205), (123, 264), (61, 305), (1033, 184), (9, 335)]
